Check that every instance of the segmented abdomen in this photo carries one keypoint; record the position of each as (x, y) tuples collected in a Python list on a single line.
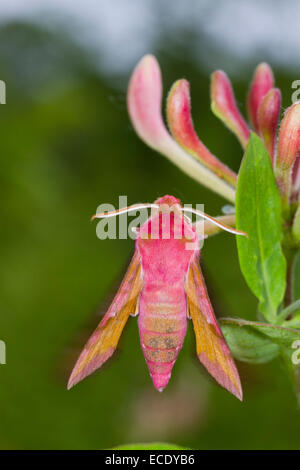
[(162, 326)]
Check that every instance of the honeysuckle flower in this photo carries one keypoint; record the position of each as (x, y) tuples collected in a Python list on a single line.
[(263, 104), (267, 119), (183, 146), (224, 106), (262, 83), (144, 106)]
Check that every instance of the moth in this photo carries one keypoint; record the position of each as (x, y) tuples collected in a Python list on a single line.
[(165, 287)]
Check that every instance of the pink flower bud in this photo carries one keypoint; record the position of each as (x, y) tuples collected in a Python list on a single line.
[(182, 128), (267, 119), (289, 138), (224, 106), (144, 107), (144, 102), (262, 82), (288, 148)]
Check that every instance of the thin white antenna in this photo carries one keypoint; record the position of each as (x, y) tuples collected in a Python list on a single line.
[(214, 221), (135, 207)]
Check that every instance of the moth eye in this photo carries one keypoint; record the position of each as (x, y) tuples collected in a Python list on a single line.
[(188, 237)]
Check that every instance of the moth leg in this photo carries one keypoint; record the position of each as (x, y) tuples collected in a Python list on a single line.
[(188, 311), (136, 312)]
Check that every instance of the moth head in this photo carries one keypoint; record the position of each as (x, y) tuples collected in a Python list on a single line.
[(169, 204), (168, 200)]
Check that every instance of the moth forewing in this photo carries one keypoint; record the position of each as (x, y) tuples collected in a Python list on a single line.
[(103, 342), (212, 349)]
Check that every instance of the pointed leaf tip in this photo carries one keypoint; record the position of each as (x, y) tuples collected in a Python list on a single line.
[(224, 106)]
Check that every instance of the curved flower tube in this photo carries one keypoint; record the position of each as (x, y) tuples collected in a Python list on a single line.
[(182, 128)]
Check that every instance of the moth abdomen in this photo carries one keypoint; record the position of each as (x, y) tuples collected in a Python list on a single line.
[(161, 334)]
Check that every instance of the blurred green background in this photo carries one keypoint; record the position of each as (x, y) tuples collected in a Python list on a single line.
[(67, 146)]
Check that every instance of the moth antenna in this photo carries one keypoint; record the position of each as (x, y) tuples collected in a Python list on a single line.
[(188, 218), (214, 221), (123, 210)]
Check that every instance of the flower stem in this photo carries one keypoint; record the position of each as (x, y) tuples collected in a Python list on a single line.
[(287, 311), (289, 292)]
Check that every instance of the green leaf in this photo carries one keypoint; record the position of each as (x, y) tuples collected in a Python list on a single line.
[(249, 345), (258, 212), (257, 342), (151, 446)]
